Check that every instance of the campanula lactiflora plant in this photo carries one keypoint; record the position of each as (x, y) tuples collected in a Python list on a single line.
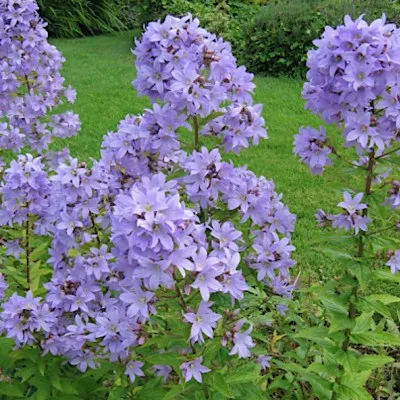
[(162, 258)]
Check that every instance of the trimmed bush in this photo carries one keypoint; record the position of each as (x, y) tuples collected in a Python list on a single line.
[(278, 38)]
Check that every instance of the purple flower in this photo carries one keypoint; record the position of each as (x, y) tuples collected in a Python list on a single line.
[(139, 302), (163, 371), (3, 286), (31, 86), (206, 281), (133, 369), (194, 369), (352, 205), (282, 309), (393, 198), (264, 361), (351, 218), (242, 341), (310, 146), (13, 248), (394, 262), (204, 321)]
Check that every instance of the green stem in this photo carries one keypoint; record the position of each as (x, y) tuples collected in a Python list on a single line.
[(95, 229), (367, 192), (196, 133), (27, 253), (389, 152), (360, 252)]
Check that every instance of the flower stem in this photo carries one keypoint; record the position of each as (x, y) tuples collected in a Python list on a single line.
[(196, 133), (27, 253), (389, 152), (367, 192)]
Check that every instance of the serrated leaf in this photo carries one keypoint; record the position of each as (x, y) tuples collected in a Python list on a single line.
[(387, 276), (352, 393), (370, 362), (363, 274), (375, 339), (219, 384), (315, 334), (384, 298), (335, 304)]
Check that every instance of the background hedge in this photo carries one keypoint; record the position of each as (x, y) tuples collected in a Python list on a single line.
[(280, 34), (268, 36)]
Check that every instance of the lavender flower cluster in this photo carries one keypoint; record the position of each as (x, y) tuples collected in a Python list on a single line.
[(187, 67), (31, 84), (147, 220), (353, 81)]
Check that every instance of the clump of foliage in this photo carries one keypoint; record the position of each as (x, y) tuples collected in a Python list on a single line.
[(71, 18), (278, 37)]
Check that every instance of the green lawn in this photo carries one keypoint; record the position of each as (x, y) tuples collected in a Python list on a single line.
[(101, 70)]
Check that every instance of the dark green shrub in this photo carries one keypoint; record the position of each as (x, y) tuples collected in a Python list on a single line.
[(225, 18), (279, 36), (69, 18)]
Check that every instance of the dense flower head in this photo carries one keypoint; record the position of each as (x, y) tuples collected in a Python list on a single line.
[(22, 316), (25, 191), (310, 145), (353, 81), (187, 67), (31, 83), (238, 127)]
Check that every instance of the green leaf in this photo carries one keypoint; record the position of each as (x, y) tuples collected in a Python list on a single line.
[(153, 389), (340, 322), (383, 298), (335, 304), (171, 359), (219, 384), (348, 359), (364, 322), (174, 392), (327, 370), (387, 276), (340, 255), (315, 334), (375, 339), (363, 274), (11, 389), (346, 392), (370, 362)]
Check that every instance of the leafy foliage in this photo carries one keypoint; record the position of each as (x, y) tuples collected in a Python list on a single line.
[(278, 37), (71, 18)]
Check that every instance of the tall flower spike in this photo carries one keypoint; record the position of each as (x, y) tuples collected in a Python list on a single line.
[(33, 85)]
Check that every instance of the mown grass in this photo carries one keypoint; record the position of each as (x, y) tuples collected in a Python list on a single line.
[(102, 68)]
